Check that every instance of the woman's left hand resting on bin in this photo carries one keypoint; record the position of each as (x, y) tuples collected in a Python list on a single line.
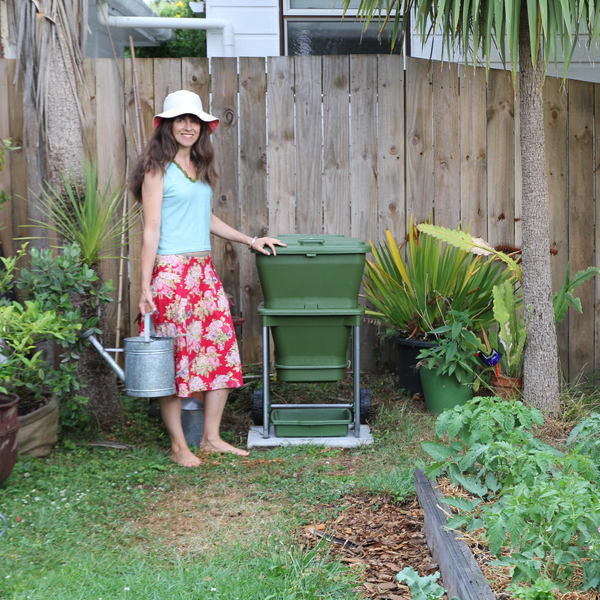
[(222, 230)]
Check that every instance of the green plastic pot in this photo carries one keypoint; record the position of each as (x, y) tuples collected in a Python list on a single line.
[(443, 391)]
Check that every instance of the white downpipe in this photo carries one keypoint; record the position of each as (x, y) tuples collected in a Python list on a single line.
[(170, 23)]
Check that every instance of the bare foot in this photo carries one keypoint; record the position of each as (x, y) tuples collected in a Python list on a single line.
[(185, 458), (223, 447)]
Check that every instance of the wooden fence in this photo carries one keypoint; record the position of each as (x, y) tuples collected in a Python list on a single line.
[(350, 145)]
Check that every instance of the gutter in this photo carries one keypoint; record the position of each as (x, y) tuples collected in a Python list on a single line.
[(165, 24)]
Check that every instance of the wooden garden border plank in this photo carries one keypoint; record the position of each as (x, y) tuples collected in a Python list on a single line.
[(473, 151), (446, 163), (419, 142), (253, 190), (281, 150), (336, 151), (226, 197), (461, 574), (581, 221), (500, 153), (556, 122)]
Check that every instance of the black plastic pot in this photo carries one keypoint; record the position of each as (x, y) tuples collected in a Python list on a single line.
[(408, 375)]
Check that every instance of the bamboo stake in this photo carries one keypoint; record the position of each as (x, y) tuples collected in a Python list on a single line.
[(121, 264)]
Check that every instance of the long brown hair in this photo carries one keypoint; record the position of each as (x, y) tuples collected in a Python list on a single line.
[(160, 151)]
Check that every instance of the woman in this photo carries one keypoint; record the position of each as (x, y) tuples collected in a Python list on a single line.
[(174, 178)]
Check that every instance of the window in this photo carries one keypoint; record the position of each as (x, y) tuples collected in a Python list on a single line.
[(317, 27)]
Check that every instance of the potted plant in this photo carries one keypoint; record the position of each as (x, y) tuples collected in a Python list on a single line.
[(414, 286), (505, 343), (48, 313), (449, 368)]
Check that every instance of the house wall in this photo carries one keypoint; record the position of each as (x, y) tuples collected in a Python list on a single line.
[(255, 22)]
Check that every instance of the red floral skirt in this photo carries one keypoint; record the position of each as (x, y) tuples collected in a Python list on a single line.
[(193, 309)]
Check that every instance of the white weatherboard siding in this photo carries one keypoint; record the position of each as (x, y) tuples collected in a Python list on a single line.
[(255, 23), (582, 65)]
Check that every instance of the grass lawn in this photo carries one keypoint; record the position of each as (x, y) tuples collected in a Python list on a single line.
[(98, 523)]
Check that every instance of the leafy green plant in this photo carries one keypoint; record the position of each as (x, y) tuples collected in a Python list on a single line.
[(455, 351), (63, 283), (89, 216), (541, 589), (422, 588), (511, 333), (564, 298), (187, 42), (414, 286), (585, 437), (22, 370)]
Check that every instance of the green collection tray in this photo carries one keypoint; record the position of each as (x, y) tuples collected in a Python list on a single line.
[(311, 422)]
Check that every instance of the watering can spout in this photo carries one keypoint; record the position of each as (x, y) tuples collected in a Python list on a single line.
[(107, 357)]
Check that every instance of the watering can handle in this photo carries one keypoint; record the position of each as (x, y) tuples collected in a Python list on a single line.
[(148, 327)]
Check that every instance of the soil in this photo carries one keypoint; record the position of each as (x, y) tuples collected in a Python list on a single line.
[(377, 538), (28, 405)]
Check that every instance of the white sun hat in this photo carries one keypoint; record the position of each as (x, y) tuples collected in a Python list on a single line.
[(184, 102)]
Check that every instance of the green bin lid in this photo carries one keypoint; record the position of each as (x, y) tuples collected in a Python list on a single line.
[(321, 244)]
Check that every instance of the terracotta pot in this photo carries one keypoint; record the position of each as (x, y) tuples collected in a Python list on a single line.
[(39, 430), (507, 388), (9, 425)]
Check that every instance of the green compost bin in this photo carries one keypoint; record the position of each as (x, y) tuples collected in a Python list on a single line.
[(313, 272), (311, 422), (311, 345)]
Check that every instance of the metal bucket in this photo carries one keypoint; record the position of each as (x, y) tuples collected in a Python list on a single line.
[(149, 366)]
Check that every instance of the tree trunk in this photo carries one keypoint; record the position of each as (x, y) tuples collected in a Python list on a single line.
[(541, 358), (100, 381)]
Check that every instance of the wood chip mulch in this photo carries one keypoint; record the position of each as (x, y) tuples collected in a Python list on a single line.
[(377, 538)]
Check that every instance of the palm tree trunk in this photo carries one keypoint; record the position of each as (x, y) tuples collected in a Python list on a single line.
[(541, 358)]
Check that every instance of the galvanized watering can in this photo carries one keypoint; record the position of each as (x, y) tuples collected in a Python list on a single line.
[(149, 363)]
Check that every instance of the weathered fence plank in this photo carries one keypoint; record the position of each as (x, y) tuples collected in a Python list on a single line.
[(446, 136), (309, 149), (253, 187), (111, 153), (281, 150), (390, 146), (419, 142), (336, 156), (500, 154), (473, 149), (363, 170), (226, 196), (556, 120), (195, 77), (581, 221), (167, 79)]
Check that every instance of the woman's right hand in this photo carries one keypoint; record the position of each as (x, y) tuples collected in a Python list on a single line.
[(146, 304)]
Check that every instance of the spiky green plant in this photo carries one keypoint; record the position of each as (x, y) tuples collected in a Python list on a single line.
[(414, 286), (88, 216)]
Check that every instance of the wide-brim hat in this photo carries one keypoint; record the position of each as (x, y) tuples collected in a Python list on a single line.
[(184, 102)]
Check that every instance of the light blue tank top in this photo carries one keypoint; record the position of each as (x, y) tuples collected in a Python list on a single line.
[(185, 214)]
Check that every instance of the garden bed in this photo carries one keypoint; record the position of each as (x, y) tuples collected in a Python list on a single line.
[(379, 538)]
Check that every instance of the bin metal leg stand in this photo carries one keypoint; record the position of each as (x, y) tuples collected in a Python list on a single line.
[(266, 403), (356, 361)]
